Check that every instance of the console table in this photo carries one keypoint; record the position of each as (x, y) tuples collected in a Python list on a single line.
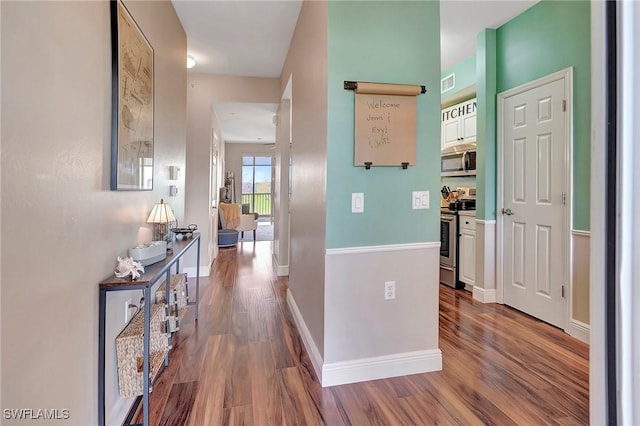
[(152, 275)]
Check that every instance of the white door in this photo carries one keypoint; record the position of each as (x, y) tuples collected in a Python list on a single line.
[(534, 165)]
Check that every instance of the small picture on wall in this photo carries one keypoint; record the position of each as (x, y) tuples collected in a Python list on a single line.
[(132, 98)]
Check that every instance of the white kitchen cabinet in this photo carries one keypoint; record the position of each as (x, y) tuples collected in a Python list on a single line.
[(467, 241), (458, 124)]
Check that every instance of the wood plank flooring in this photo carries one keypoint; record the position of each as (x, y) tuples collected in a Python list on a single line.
[(244, 364)]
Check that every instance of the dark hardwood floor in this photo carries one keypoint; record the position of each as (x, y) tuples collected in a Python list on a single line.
[(244, 364)]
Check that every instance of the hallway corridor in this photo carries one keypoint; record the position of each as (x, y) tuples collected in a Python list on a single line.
[(244, 364)]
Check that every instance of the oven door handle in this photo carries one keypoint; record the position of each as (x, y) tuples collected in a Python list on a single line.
[(447, 219), (446, 268)]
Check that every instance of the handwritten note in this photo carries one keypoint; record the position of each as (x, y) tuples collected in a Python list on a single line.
[(385, 129)]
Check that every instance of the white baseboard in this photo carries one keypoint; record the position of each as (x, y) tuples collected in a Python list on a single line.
[(191, 271), (484, 295), (581, 233), (309, 343), (579, 330), (381, 367), (281, 270)]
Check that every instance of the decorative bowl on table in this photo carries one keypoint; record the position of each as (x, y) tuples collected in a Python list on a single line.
[(184, 232)]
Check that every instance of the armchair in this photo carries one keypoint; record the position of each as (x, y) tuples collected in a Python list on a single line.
[(243, 222), (248, 222)]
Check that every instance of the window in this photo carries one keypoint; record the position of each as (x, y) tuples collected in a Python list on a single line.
[(256, 184)]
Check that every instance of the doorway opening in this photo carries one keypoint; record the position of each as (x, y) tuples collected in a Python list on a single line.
[(256, 184), (257, 192)]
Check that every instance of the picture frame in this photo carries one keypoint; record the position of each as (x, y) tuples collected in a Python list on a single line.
[(132, 93)]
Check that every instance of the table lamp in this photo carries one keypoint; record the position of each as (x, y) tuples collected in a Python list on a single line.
[(161, 214)]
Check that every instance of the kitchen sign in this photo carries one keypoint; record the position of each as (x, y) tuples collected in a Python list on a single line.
[(459, 111)]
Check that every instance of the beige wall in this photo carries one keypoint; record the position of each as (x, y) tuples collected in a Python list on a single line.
[(0, 219), (216, 176), (62, 227), (306, 63), (203, 90), (360, 324), (580, 276), (281, 189)]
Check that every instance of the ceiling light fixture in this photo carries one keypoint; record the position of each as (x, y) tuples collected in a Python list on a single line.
[(191, 62)]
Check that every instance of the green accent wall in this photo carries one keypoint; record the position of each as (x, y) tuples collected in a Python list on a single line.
[(548, 37), (389, 42), (486, 125), (465, 75)]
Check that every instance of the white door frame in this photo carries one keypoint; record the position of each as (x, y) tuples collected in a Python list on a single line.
[(628, 238), (567, 75)]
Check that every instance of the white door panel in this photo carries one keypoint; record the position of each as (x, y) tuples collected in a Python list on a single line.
[(468, 128), (534, 234), (519, 253), (451, 132)]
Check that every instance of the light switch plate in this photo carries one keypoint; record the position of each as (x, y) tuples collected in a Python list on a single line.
[(420, 200), (357, 202)]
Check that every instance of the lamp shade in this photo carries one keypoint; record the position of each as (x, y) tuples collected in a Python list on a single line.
[(161, 213)]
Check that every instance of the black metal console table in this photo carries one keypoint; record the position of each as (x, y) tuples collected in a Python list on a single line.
[(152, 275)]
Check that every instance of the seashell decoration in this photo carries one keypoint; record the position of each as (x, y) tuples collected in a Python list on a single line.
[(128, 266)]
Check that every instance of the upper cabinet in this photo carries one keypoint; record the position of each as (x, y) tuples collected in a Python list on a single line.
[(459, 124)]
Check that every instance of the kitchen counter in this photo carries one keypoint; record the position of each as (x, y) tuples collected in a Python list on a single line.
[(470, 213)]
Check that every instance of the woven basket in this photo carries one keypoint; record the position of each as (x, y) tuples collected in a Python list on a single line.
[(178, 300), (129, 350)]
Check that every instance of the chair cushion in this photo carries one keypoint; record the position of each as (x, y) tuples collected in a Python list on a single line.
[(227, 237)]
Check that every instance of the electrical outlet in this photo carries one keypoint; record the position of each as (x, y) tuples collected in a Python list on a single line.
[(389, 290), (127, 310)]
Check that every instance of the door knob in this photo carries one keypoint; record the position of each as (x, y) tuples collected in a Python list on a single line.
[(508, 212)]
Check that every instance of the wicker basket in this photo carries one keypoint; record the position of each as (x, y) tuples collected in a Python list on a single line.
[(178, 300), (129, 350)]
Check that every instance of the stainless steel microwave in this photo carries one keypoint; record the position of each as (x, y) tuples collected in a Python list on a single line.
[(459, 160)]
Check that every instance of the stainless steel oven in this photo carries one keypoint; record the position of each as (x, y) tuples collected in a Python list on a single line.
[(449, 248)]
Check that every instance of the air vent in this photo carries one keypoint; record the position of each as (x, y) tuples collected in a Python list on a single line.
[(447, 83)]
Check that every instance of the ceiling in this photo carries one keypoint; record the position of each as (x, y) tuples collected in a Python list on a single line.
[(251, 38), (462, 20), (246, 122)]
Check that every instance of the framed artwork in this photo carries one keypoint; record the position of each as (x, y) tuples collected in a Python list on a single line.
[(132, 103)]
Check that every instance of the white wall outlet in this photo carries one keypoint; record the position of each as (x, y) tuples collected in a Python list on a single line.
[(357, 202), (419, 200), (127, 311), (389, 290)]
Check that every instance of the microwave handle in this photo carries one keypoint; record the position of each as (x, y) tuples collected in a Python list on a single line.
[(464, 161)]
